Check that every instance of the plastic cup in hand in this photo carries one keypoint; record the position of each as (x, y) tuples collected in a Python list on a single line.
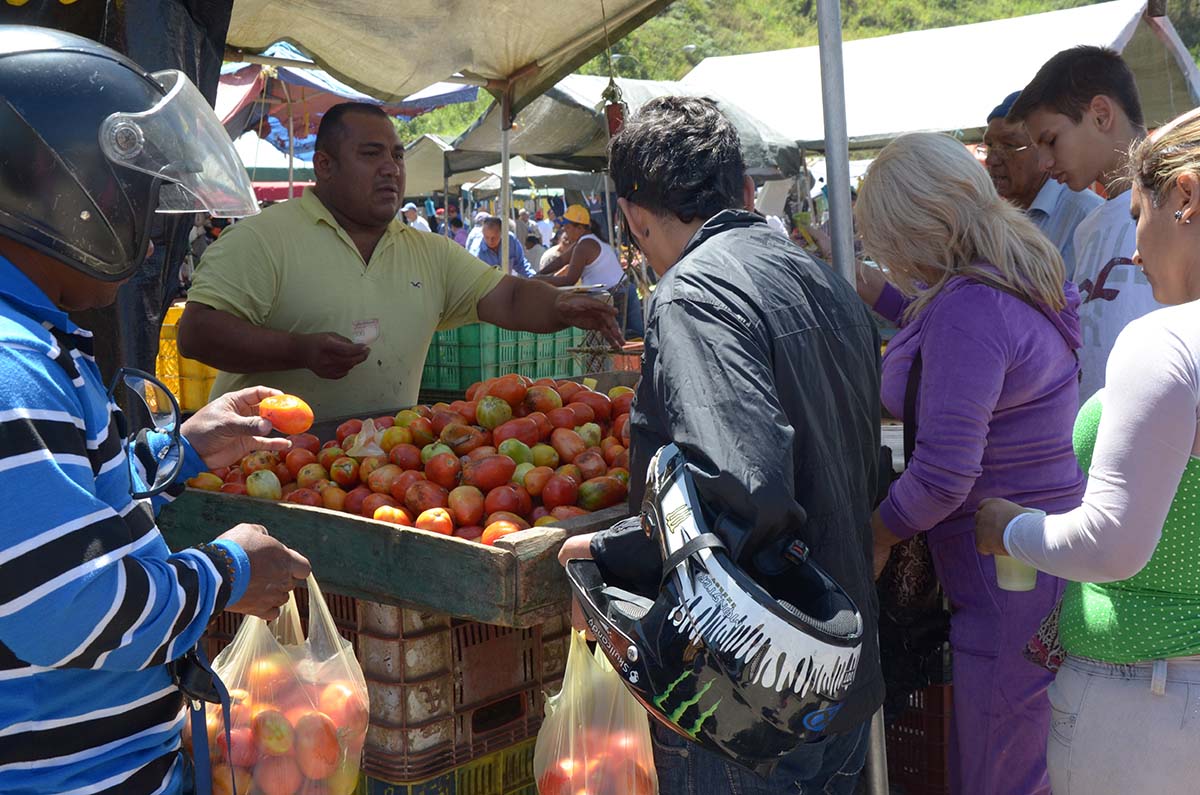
[(1014, 575)]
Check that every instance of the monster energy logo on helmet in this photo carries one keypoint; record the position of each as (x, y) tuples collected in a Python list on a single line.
[(676, 713)]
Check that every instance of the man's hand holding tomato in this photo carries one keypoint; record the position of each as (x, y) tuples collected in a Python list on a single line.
[(229, 428), (576, 548), (222, 433)]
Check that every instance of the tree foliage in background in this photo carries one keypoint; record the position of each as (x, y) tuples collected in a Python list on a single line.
[(448, 122), (688, 31)]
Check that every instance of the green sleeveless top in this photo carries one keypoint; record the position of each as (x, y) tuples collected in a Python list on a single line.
[(1155, 613)]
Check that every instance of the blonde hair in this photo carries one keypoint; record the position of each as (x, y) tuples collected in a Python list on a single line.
[(1156, 163), (927, 205)]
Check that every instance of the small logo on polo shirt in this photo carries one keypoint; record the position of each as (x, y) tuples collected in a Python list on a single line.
[(416, 284)]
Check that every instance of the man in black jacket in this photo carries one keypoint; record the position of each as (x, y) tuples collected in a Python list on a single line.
[(763, 367)]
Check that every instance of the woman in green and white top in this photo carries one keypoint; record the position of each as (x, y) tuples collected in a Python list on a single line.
[(1125, 714)]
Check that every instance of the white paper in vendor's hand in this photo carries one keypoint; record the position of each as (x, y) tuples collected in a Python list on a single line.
[(366, 331)]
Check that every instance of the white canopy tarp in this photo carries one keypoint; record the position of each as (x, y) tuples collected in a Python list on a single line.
[(265, 163), (389, 50), (424, 167), (566, 128), (949, 79), (526, 176)]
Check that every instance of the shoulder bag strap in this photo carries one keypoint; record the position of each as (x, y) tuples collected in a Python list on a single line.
[(911, 389)]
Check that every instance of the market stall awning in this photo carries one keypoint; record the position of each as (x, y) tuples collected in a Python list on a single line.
[(947, 80), (390, 50), (278, 191), (525, 176), (566, 128), (265, 163), (425, 168), (270, 98)]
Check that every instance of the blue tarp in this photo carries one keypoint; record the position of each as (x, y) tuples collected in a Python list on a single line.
[(312, 92)]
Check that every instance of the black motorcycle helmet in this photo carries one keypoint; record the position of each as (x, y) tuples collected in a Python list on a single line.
[(91, 145), (748, 673)]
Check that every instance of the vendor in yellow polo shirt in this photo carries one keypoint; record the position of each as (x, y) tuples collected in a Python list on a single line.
[(330, 298)]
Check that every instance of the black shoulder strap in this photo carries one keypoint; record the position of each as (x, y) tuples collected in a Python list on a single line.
[(910, 406), (702, 541)]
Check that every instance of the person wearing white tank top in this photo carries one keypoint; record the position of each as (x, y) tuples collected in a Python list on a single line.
[(583, 257)]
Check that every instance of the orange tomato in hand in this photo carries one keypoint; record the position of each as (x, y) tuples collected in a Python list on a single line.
[(288, 413)]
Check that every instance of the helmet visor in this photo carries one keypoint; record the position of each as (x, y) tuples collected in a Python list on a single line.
[(181, 141)]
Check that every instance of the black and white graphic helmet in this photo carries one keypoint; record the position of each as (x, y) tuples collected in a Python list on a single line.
[(746, 671)]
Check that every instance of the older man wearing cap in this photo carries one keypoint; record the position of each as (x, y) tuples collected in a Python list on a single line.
[(1012, 163), (486, 247), (476, 231), (413, 218)]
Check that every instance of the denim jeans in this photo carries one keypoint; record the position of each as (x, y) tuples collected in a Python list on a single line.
[(629, 309), (828, 767), (1111, 734)]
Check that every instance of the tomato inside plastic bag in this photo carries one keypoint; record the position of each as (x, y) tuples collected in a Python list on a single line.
[(596, 736), (299, 708)]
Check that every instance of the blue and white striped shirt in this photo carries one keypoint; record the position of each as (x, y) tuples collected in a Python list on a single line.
[(92, 602), (1057, 210)]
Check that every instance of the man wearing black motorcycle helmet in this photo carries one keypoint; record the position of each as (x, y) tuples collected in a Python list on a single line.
[(761, 368), (96, 612)]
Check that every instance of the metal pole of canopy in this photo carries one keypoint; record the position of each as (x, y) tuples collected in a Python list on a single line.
[(291, 155), (445, 198), (837, 146), (291, 141), (608, 213), (505, 187), (837, 178)]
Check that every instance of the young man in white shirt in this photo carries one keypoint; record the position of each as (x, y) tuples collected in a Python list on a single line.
[(1083, 111)]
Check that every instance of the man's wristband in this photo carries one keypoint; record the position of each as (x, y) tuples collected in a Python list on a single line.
[(222, 559)]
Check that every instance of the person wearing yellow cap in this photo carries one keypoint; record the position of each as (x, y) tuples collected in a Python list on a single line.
[(583, 258)]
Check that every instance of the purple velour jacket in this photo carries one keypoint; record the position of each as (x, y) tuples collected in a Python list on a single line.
[(998, 395)]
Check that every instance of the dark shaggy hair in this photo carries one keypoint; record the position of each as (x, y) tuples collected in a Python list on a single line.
[(678, 156), (1069, 81)]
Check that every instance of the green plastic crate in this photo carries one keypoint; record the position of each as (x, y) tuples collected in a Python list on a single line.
[(460, 357)]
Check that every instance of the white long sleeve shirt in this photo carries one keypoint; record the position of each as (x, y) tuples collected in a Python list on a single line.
[(1150, 428)]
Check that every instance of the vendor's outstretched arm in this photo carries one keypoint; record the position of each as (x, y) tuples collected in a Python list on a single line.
[(533, 305)]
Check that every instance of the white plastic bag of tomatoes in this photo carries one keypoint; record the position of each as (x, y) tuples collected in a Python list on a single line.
[(299, 707), (596, 737)]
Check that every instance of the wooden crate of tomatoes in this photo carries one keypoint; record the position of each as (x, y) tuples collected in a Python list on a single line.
[(457, 507)]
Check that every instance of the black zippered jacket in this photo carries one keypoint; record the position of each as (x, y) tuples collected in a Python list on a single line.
[(762, 365)]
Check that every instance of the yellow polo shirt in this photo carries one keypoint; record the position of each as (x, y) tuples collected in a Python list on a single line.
[(293, 268)]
